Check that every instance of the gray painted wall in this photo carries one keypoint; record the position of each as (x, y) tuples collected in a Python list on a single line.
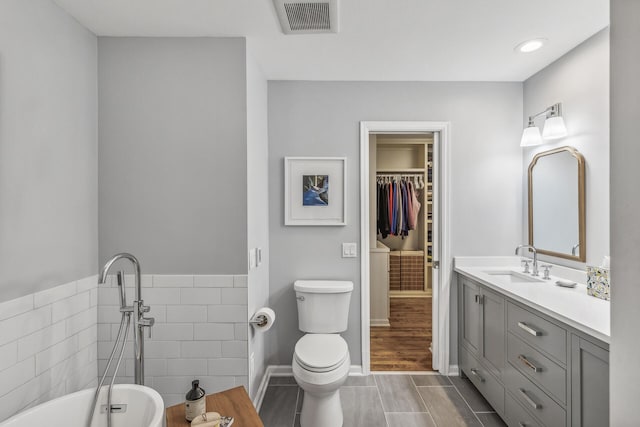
[(625, 205), (48, 148), (322, 119), (173, 153), (258, 213), (580, 80)]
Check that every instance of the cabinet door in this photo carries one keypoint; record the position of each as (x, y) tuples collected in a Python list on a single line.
[(470, 315), (493, 347), (589, 384)]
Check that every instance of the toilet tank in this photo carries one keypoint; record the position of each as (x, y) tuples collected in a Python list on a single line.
[(323, 305)]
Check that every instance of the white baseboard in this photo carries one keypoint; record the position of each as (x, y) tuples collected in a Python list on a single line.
[(454, 370), (262, 389), (380, 322), (356, 371), (281, 370)]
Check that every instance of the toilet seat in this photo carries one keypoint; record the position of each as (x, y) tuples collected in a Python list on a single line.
[(321, 352)]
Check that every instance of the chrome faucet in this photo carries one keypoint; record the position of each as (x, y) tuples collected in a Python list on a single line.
[(574, 249), (138, 309), (535, 257)]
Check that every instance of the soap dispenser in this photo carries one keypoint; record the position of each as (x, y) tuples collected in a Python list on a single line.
[(195, 404)]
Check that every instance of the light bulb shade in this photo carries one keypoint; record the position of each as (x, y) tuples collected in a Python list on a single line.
[(530, 137), (554, 128)]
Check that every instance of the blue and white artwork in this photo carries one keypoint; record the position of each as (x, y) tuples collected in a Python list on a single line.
[(315, 190)]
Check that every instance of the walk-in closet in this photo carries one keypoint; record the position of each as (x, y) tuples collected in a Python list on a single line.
[(402, 232)]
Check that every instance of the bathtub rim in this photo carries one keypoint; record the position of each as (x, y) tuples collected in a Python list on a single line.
[(158, 418)]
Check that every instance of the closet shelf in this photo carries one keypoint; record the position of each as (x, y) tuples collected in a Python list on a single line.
[(400, 170)]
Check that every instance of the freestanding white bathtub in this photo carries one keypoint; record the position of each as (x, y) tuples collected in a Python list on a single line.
[(144, 408)]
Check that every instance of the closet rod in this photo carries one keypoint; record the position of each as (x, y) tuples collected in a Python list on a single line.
[(395, 175)]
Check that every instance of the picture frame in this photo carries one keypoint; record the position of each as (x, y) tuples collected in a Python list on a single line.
[(315, 191)]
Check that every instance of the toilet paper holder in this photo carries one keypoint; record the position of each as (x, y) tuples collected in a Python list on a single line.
[(262, 319), (259, 320)]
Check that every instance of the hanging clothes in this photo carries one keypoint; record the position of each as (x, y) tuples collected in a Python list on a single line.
[(383, 210), (397, 207), (415, 208)]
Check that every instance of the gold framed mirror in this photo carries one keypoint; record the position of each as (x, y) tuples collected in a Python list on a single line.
[(557, 214)]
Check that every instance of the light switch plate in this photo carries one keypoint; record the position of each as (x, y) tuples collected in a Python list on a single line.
[(349, 250)]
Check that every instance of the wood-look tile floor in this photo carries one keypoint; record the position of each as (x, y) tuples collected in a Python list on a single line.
[(388, 401), (405, 345)]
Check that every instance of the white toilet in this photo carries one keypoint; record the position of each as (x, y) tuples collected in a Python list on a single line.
[(321, 359)]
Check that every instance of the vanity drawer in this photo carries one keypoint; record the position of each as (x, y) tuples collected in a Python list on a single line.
[(484, 381), (540, 333), (550, 413), (516, 416), (545, 373)]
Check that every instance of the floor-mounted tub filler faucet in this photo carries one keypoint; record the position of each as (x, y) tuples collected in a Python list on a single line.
[(137, 309), (535, 257)]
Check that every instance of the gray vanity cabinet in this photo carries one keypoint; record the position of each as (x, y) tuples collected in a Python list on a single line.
[(533, 369), (589, 384), (470, 315), (482, 332), (482, 324), (493, 331)]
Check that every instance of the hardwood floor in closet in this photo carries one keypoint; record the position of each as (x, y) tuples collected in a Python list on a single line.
[(405, 345)]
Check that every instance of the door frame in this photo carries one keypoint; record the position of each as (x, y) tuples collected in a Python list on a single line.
[(441, 292)]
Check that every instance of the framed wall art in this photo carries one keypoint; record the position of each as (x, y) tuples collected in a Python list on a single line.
[(315, 191)]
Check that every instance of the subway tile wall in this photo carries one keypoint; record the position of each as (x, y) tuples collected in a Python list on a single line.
[(48, 345), (201, 331)]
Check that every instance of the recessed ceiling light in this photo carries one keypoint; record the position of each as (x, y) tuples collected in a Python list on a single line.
[(530, 45)]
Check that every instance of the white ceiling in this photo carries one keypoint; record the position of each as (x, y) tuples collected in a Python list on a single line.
[(421, 40)]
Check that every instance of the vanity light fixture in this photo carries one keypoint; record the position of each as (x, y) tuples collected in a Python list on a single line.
[(554, 127), (531, 135)]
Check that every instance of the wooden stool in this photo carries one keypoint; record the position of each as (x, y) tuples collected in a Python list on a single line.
[(234, 403)]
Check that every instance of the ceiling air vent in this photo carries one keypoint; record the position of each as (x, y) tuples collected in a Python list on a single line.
[(307, 16)]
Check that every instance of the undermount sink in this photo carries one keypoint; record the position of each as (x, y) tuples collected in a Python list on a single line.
[(512, 276)]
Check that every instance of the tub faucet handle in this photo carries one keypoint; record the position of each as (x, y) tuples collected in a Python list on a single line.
[(147, 322)]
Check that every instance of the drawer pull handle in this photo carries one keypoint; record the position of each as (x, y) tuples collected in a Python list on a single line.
[(479, 299), (528, 364), (529, 329), (475, 372), (530, 401)]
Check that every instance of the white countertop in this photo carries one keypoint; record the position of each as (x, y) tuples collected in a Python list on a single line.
[(569, 305)]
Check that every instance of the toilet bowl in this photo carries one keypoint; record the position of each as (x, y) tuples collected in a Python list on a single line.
[(321, 358), (321, 365)]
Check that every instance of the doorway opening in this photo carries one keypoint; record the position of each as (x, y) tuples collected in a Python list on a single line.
[(401, 261), (405, 323)]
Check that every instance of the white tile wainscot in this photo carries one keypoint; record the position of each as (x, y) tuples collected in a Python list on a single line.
[(48, 345), (200, 332)]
